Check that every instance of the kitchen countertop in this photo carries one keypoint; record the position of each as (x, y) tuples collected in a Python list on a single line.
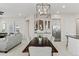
[(2, 35), (73, 36)]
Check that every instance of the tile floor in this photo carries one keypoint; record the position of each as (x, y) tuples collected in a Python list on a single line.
[(62, 50)]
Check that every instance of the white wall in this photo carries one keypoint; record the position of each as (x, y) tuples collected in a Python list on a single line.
[(68, 25), (19, 21), (23, 28)]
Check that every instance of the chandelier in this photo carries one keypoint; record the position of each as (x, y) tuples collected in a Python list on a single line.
[(42, 10)]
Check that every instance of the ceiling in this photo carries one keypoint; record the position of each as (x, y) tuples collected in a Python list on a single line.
[(65, 8), (28, 9)]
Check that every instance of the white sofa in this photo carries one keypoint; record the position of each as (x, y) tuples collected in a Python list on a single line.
[(10, 41), (40, 51)]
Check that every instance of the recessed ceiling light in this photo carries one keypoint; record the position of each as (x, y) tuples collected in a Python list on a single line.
[(57, 12), (20, 14), (64, 6)]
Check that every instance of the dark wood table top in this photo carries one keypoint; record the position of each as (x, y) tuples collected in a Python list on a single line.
[(44, 43)]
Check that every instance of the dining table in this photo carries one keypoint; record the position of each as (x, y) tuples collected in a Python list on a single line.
[(45, 42)]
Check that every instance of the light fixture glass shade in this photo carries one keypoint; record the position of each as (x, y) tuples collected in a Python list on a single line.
[(42, 9)]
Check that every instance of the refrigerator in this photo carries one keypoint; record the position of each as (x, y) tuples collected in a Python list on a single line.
[(56, 29)]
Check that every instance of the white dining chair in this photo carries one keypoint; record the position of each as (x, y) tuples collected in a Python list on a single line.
[(40, 51)]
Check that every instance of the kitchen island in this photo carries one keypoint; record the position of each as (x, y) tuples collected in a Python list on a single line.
[(73, 44)]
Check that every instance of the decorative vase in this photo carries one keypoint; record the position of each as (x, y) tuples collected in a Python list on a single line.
[(40, 40)]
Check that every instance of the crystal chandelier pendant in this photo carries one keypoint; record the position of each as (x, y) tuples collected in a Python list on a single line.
[(42, 10)]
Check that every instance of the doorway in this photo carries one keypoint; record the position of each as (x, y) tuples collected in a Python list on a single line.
[(56, 29)]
